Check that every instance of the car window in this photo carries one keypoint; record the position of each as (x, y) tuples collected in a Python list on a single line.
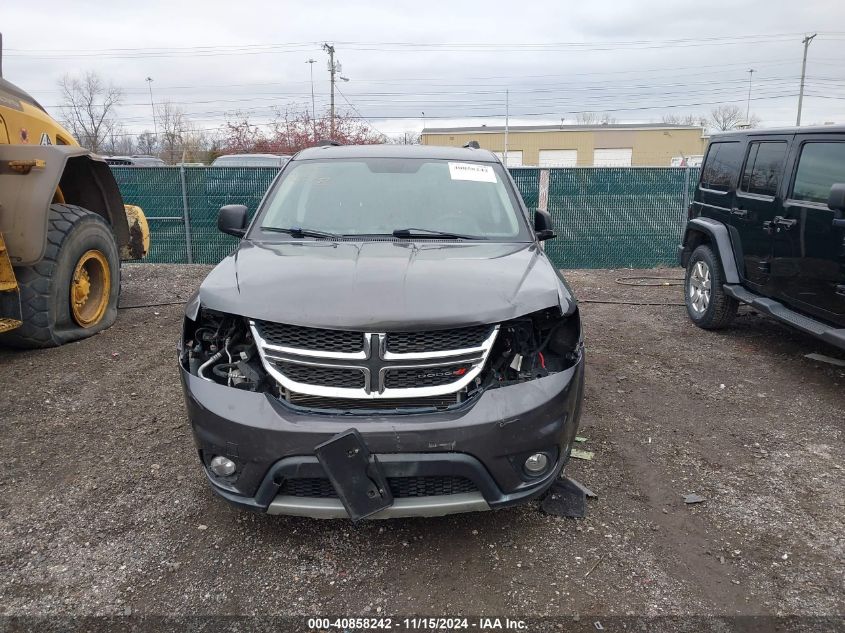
[(820, 166), (722, 163), (378, 195), (763, 167)]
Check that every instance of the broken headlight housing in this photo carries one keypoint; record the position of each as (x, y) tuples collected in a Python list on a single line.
[(534, 346), (218, 347)]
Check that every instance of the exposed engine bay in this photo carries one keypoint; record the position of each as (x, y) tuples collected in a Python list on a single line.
[(221, 348)]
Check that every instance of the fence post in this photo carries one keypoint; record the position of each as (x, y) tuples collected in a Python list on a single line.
[(186, 215), (686, 188)]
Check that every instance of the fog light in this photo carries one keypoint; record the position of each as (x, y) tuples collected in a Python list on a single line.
[(222, 466), (536, 464)]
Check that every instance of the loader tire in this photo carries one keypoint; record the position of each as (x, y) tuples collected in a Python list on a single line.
[(72, 292)]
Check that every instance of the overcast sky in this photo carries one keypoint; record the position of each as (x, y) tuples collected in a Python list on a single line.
[(452, 60)]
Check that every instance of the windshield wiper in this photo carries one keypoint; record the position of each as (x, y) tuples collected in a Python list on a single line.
[(298, 231), (411, 232)]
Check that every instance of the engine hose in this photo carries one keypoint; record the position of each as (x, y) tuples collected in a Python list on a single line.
[(210, 361)]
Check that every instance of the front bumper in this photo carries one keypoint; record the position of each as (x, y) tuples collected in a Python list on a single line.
[(486, 442)]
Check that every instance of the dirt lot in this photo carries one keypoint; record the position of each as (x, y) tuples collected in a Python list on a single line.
[(105, 509)]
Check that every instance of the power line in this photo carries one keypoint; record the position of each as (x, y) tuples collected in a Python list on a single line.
[(466, 47), (361, 116)]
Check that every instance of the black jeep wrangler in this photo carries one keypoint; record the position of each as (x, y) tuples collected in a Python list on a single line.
[(767, 228)]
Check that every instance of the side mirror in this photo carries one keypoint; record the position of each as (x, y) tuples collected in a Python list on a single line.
[(232, 220), (543, 226), (836, 199)]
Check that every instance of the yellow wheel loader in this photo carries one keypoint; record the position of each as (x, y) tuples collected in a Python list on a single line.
[(63, 230)]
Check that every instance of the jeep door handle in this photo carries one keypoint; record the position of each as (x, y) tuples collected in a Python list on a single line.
[(777, 224), (839, 223), (740, 213)]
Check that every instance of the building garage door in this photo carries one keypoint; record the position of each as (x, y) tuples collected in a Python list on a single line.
[(514, 157), (558, 157), (617, 157)]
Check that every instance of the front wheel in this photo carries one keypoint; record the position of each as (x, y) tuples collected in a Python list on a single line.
[(707, 304), (72, 292)]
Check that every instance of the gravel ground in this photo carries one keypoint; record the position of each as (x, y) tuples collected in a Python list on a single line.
[(105, 509)]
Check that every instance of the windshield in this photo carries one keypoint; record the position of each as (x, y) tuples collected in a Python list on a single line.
[(377, 196)]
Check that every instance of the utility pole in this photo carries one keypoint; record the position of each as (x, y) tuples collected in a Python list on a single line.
[(748, 106), (310, 61), (507, 121), (329, 48), (152, 106), (806, 41)]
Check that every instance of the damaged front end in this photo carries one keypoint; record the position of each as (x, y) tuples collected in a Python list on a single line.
[(462, 419), (232, 351)]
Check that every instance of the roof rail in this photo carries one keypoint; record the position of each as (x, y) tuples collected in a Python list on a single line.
[(472, 145), (327, 142)]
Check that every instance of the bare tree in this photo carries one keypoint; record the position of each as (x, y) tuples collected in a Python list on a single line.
[(147, 144), (594, 118), (407, 138), (730, 117), (685, 119), (118, 143), (171, 125), (88, 108)]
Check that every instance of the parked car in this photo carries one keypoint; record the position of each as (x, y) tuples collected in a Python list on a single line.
[(250, 160), (388, 339), (135, 161), (767, 228)]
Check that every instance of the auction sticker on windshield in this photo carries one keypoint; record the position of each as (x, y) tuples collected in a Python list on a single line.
[(472, 171)]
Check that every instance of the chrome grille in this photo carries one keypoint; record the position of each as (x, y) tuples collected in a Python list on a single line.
[(373, 369), (309, 338), (400, 487), (458, 338)]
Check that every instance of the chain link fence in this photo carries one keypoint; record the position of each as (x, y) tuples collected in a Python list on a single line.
[(604, 217)]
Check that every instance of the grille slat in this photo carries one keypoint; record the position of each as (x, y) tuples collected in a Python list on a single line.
[(437, 340), (400, 487), (309, 338), (313, 375)]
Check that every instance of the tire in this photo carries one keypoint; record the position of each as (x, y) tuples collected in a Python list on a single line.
[(707, 304), (80, 246)]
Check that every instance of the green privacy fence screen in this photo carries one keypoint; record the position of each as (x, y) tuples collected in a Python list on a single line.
[(605, 217)]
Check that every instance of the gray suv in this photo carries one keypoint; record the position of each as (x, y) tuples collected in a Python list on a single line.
[(388, 339)]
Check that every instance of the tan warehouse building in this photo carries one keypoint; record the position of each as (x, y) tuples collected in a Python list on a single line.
[(610, 145)]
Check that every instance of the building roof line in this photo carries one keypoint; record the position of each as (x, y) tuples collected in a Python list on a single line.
[(497, 129)]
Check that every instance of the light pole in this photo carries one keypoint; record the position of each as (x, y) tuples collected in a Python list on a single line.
[(806, 41), (310, 61), (149, 81), (748, 104)]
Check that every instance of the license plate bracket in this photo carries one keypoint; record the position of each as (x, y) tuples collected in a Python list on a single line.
[(355, 473)]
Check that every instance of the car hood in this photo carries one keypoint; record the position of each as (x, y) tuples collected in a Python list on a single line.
[(383, 285)]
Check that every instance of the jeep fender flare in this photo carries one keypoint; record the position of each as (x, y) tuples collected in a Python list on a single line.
[(719, 237)]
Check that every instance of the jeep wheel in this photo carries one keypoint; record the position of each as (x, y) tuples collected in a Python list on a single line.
[(707, 304), (72, 292)]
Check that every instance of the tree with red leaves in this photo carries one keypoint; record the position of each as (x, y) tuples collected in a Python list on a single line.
[(291, 131)]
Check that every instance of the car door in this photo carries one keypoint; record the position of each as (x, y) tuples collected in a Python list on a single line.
[(808, 266), (757, 201), (719, 176)]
